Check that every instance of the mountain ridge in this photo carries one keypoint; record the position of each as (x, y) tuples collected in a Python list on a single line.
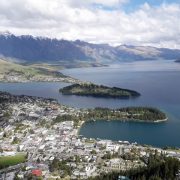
[(29, 49)]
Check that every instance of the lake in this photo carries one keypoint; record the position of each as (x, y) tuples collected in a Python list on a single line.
[(157, 81)]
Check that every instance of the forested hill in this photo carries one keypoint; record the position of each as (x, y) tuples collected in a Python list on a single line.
[(98, 91), (31, 49)]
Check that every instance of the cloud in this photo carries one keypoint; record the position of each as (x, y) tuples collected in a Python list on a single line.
[(87, 3), (147, 25)]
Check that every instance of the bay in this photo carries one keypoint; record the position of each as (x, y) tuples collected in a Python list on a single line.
[(157, 81), (159, 85)]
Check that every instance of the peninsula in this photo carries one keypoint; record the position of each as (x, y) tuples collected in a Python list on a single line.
[(89, 89), (137, 114)]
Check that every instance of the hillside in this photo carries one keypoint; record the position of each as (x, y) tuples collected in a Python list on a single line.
[(12, 72), (29, 49)]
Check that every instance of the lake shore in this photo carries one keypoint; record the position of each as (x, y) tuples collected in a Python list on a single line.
[(149, 78)]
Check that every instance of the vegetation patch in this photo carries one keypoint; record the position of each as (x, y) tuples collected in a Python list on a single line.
[(139, 114), (98, 91), (157, 168), (6, 161)]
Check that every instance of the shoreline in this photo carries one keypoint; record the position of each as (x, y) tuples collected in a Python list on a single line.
[(45, 81), (98, 91), (79, 127), (123, 120), (129, 120)]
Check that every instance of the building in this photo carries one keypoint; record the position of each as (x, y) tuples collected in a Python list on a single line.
[(37, 172)]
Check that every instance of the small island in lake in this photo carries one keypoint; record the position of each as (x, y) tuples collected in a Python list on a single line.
[(89, 89)]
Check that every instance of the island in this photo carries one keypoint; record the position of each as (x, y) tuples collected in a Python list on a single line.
[(90, 89)]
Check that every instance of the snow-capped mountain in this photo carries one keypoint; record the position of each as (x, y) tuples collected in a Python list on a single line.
[(39, 49)]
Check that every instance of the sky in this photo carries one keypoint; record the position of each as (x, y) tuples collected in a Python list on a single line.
[(132, 22)]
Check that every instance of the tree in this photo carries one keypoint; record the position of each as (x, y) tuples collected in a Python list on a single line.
[(15, 140)]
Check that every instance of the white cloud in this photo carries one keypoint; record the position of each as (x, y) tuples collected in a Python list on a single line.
[(157, 26), (86, 3)]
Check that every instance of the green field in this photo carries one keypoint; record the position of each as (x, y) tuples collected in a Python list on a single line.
[(6, 161)]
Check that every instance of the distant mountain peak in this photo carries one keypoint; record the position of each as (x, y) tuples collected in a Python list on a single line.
[(42, 49), (5, 33)]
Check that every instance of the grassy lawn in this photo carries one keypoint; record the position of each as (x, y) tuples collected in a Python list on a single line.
[(6, 161)]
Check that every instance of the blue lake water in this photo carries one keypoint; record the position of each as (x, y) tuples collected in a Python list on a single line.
[(157, 81)]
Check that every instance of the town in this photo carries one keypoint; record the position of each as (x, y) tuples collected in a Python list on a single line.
[(47, 149)]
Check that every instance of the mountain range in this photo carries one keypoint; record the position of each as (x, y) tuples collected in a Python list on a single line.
[(30, 50)]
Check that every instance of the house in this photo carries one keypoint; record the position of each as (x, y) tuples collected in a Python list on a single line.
[(37, 172)]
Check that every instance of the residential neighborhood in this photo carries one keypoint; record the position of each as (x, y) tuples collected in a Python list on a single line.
[(55, 150)]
